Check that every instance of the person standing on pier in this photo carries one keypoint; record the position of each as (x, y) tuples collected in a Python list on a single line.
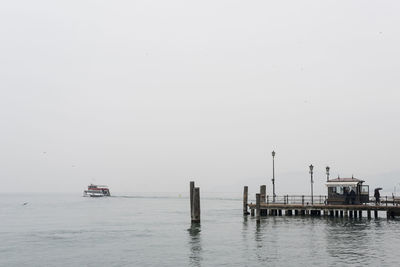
[(346, 195), (352, 196), (377, 196)]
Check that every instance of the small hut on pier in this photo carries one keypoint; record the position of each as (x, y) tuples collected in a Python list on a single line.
[(342, 191)]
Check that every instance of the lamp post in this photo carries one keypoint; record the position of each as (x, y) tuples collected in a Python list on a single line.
[(312, 181), (327, 173), (273, 176)]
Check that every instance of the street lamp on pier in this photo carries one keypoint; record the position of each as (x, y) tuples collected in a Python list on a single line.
[(312, 181), (273, 176), (327, 173)]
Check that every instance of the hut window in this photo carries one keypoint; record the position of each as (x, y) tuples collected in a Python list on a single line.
[(339, 189), (365, 189)]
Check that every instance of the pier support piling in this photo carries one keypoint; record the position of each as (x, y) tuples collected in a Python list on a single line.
[(376, 214), (369, 214)]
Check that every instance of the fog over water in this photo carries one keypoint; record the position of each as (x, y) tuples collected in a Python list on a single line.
[(146, 95)]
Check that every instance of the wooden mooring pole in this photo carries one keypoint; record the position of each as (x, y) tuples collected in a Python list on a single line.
[(263, 193), (245, 196), (196, 205), (191, 187), (258, 210)]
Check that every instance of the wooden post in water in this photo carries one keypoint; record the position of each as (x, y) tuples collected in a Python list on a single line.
[(263, 193), (258, 197), (245, 193), (191, 187), (369, 214), (196, 205), (376, 214)]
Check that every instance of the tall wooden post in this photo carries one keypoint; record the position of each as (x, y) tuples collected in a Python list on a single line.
[(258, 207), (263, 193), (196, 205), (245, 194), (191, 187)]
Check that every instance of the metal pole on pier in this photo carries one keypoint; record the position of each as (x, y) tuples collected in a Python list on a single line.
[(273, 176), (312, 182), (327, 173)]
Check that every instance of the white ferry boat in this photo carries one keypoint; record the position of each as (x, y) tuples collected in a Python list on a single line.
[(97, 191)]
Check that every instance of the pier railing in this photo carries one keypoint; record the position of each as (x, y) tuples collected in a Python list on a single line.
[(386, 200), (322, 199), (296, 199)]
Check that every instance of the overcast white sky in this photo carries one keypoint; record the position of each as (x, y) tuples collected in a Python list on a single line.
[(146, 95)]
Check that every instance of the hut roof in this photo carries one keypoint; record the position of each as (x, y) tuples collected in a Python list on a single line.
[(343, 181)]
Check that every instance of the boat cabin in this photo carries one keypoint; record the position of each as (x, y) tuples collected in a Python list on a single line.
[(345, 191), (97, 191)]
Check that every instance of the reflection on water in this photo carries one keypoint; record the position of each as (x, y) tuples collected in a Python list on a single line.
[(195, 244), (265, 240), (342, 241), (347, 240)]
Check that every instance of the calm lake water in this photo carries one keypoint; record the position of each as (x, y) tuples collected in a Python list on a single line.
[(70, 230)]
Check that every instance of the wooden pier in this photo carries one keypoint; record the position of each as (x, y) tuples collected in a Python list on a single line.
[(301, 205)]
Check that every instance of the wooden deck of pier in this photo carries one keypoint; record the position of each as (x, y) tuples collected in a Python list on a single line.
[(322, 209)]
